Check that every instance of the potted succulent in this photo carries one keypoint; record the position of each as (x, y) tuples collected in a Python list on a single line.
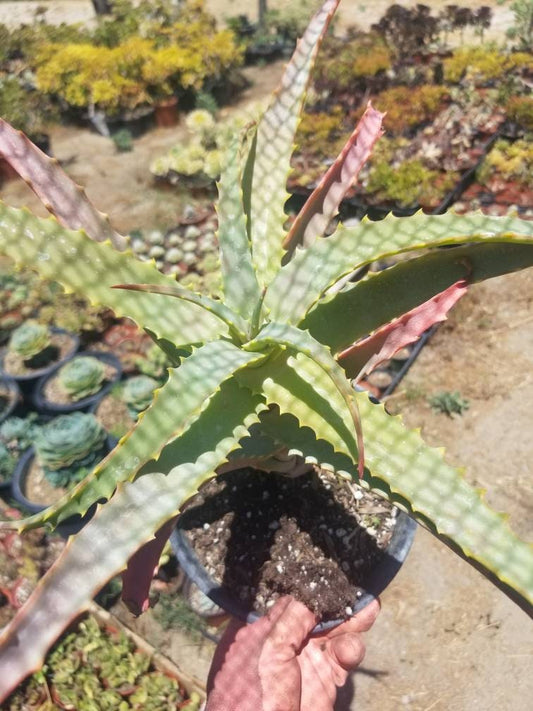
[(78, 384), (271, 367), (120, 408), (16, 436), (35, 350), (64, 450)]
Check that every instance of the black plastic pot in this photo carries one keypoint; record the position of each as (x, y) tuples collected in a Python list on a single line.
[(13, 391), (27, 382), (71, 525), (395, 554), (87, 403)]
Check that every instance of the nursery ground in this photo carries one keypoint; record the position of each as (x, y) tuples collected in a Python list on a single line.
[(446, 639)]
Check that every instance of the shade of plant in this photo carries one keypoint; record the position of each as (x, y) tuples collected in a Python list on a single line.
[(69, 446), (82, 376), (138, 393), (270, 366), (29, 339), (449, 403)]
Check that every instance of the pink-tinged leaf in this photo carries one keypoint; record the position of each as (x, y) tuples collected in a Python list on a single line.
[(141, 568), (59, 193), (323, 203), (361, 358)]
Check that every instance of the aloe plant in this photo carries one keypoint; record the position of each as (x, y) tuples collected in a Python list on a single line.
[(81, 377), (270, 368), (69, 446), (30, 339)]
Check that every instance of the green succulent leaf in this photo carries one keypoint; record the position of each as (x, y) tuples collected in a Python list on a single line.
[(276, 334), (91, 268), (298, 385), (341, 319), (292, 293), (241, 288), (274, 146), (128, 520), (401, 467), (180, 402), (236, 325), (59, 194)]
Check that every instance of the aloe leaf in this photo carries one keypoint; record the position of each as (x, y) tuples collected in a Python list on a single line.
[(292, 293), (298, 385), (90, 269), (323, 203), (400, 466), (176, 406), (361, 358), (129, 520), (232, 320), (141, 568), (240, 285), (59, 194), (302, 342), (340, 319), (274, 147)]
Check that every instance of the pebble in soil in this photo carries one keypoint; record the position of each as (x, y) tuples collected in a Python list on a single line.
[(264, 535)]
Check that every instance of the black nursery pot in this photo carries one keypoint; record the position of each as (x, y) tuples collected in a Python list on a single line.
[(8, 385), (376, 582), (87, 403), (26, 382), (69, 526)]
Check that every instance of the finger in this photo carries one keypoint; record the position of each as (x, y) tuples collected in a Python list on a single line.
[(347, 650), (292, 623), (361, 622)]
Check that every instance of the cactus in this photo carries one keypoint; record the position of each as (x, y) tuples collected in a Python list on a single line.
[(81, 377), (69, 446), (29, 340), (138, 393), (268, 368)]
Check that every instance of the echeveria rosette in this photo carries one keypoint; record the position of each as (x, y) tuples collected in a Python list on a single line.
[(138, 393), (81, 377), (265, 370), (29, 339), (69, 446)]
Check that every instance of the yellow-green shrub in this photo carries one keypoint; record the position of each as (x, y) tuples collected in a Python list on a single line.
[(364, 55), (511, 161), (406, 106), (408, 184), (520, 109), (482, 64)]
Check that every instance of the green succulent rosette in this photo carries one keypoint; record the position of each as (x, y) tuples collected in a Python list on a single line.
[(138, 393), (29, 339), (81, 377), (68, 446)]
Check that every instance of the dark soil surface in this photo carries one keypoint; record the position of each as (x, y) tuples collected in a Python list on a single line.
[(267, 535), (60, 347)]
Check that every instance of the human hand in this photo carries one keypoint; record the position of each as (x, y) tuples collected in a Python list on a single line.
[(274, 665)]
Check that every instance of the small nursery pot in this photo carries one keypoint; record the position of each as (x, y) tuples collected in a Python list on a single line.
[(12, 391), (42, 404), (72, 524), (27, 381), (380, 577)]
